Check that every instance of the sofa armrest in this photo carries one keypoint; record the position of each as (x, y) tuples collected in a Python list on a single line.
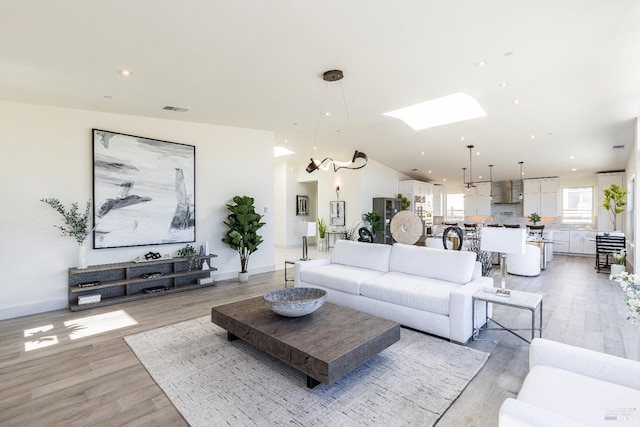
[(460, 309), (585, 362), (301, 265), (515, 413)]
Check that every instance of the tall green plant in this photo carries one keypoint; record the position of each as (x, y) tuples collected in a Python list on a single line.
[(614, 202), (243, 223), (322, 228), (404, 202), (374, 220)]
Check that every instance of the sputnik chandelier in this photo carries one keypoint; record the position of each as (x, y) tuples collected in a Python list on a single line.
[(326, 163)]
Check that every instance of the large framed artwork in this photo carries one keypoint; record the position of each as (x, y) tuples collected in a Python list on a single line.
[(143, 191), (336, 213)]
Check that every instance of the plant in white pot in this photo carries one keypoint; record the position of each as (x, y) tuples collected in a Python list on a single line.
[(76, 225), (619, 263), (242, 235), (614, 202)]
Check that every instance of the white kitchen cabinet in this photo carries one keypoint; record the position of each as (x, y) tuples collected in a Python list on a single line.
[(560, 241), (421, 196), (477, 201), (582, 242), (541, 196), (437, 200)]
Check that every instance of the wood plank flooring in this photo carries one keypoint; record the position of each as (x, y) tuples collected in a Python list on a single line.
[(64, 368)]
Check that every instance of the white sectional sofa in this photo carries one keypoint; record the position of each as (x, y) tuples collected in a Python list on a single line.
[(572, 386), (424, 288)]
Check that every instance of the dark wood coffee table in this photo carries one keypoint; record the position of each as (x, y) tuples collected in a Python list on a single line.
[(325, 345)]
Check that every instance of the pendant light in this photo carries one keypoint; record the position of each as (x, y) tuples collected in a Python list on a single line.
[(490, 182), (520, 196), (336, 76)]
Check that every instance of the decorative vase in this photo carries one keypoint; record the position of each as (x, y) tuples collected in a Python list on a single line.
[(82, 256), (243, 277), (617, 269)]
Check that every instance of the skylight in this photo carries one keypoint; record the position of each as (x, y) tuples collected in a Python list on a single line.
[(279, 151), (440, 111)]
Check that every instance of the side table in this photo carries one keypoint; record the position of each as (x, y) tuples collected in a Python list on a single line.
[(517, 299)]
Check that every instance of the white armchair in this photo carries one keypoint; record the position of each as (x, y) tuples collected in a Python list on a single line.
[(436, 242), (572, 386), (527, 264)]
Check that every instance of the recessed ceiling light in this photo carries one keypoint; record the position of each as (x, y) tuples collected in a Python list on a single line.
[(572, 157), (422, 153), (314, 148), (440, 111), (279, 151), (533, 136), (479, 176), (125, 73), (444, 179), (573, 169), (504, 84), (462, 138), (428, 171), (481, 63), (516, 101), (328, 113)]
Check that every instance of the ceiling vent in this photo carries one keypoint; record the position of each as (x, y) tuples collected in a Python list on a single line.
[(176, 109), (618, 147)]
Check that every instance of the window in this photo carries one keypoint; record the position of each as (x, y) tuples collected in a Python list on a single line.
[(455, 208), (577, 205)]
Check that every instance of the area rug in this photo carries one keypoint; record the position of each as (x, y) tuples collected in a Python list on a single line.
[(212, 381)]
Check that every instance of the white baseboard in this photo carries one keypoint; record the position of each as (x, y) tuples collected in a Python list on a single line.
[(38, 307)]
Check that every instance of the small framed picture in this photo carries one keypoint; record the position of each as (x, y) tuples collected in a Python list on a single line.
[(302, 205), (336, 213)]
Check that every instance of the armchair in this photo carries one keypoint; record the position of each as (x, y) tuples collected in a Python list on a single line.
[(573, 386)]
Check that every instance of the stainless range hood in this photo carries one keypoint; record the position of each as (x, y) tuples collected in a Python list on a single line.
[(506, 192)]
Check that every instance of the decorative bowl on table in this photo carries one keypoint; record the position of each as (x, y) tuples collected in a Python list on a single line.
[(295, 302)]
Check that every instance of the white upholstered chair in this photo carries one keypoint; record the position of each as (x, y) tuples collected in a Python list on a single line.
[(436, 242), (527, 264)]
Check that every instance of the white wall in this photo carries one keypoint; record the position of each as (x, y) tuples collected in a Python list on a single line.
[(47, 152)]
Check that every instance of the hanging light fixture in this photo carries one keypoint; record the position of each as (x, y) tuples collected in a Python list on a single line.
[(490, 182), (326, 163), (520, 196), (469, 184)]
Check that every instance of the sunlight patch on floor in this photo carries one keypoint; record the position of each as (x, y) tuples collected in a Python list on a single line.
[(92, 325), (40, 340)]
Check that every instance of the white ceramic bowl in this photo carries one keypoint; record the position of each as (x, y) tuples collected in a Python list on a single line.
[(295, 302)]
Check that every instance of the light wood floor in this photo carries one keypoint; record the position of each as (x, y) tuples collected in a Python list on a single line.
[(63, 368)]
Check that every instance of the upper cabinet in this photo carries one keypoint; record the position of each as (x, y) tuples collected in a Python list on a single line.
[(437, 200), (604, 217), (477, 200), (541, 196)]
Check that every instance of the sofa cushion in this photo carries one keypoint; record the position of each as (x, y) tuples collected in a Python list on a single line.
[(339, 277), (417, 292), (449, 266), (581, 398), (370, 256)]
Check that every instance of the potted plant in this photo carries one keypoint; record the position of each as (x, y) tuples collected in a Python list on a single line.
[(373, 218), (243, 224), (191, 255), (76, 225), (534, 218), (322, 230), (614, 202), (619, 263), (404, 202)]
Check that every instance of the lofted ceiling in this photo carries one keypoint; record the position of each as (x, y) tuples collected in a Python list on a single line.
[(573, 66)]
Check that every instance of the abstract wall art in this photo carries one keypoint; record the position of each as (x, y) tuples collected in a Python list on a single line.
[(143, 191)]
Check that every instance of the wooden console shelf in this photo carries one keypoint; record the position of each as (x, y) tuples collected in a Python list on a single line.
[(122, 282)]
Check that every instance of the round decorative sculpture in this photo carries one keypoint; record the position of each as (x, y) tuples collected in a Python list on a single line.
[(406, 227), (295, 302)]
